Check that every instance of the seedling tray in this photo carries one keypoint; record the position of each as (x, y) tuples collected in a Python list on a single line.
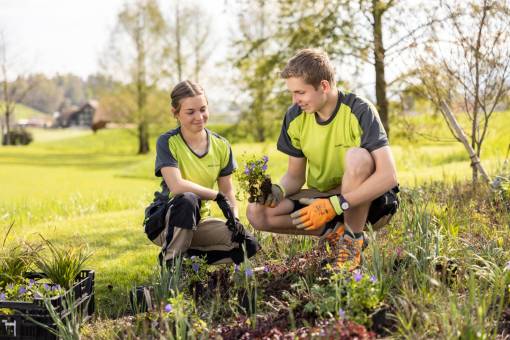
[(20, 326)]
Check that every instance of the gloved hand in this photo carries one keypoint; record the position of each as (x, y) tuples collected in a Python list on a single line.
[(275, 197), (237, 229), (318, 212), (233, 223), (225, 207)]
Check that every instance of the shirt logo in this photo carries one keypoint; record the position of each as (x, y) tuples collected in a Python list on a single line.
[(212, 165)]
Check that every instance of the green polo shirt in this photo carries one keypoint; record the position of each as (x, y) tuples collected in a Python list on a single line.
[(354, 123), (172, 150)]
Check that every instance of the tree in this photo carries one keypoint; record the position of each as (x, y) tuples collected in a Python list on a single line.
[(199, 39), (187, 40), (374, 32), (466, 64), (136, 56), (258, 56), (48, 96), (10, 93)]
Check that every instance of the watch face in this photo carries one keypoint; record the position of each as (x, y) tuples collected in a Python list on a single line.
[(345, 205)]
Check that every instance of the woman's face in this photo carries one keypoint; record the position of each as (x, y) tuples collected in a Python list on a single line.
[(193, 113)]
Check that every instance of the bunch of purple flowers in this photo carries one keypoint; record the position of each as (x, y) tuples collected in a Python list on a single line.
[(253, 179)]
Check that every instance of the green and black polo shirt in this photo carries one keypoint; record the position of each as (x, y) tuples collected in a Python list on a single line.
[(172, 150), (354, 123)]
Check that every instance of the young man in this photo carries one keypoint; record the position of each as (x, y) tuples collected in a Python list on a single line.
[(351, 171)]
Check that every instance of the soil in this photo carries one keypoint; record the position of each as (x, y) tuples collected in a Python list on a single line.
[(276, 327), (504, 324), (259, 192), (265, 187)]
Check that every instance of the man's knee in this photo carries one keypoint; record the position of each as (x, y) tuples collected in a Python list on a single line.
[(359, 163)]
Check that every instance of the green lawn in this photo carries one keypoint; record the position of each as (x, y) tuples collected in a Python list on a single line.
[(73, 186), (25, 112)]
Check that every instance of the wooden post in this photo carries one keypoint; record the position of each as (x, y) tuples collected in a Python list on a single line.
[(461, 136)]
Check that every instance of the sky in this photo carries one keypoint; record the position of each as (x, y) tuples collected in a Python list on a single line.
[(51, 36)]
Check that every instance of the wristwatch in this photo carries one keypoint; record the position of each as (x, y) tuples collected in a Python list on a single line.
[(343, 203)]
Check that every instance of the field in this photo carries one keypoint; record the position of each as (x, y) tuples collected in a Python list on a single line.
[(25, 112), (76, 187)]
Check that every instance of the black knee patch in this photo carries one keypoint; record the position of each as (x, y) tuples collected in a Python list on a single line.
[(184, 213), (185, 210), (387, 204)]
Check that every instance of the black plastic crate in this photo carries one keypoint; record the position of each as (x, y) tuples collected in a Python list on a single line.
[(19, 327)]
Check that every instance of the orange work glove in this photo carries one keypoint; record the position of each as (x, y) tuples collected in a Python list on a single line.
[(318, 212)]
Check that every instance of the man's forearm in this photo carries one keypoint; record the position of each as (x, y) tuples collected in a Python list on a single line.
[(291, 184)]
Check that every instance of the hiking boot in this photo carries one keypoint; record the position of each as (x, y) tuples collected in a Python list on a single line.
[(333, 233), (348, 252)]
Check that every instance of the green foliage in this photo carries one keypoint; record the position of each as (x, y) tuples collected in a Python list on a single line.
[(195, 269), (257, 59), (246, 288), (16, 259), (57, 93), (501, 182), (18, 136), (63, 264), (68, 325), (345, 295), (27, 289), (183, 321)]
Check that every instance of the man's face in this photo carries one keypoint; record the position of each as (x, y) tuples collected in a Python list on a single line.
[(305, 95)]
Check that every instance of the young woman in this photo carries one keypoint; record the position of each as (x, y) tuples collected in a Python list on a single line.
[(192, 159)]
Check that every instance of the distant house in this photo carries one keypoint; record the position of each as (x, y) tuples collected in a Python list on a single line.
[(89, 115)]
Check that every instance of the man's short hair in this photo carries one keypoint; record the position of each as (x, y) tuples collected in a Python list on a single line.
[(312, 65)]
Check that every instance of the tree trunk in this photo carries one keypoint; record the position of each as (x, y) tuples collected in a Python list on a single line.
[(141, 90), (143, 138), (474, 178), (380, 80), (261, 136), (2, 130), (7, 126), (461, 136)]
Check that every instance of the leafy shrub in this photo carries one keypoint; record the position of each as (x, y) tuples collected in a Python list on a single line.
[(15, 260), (63, 264), (18, 136)]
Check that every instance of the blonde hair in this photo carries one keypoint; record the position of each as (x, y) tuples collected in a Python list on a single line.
[(312, 65)]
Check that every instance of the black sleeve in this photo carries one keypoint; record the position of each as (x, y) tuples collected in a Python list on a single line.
[(373, 134), (284, 141), (231, 164), (163, 155)]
